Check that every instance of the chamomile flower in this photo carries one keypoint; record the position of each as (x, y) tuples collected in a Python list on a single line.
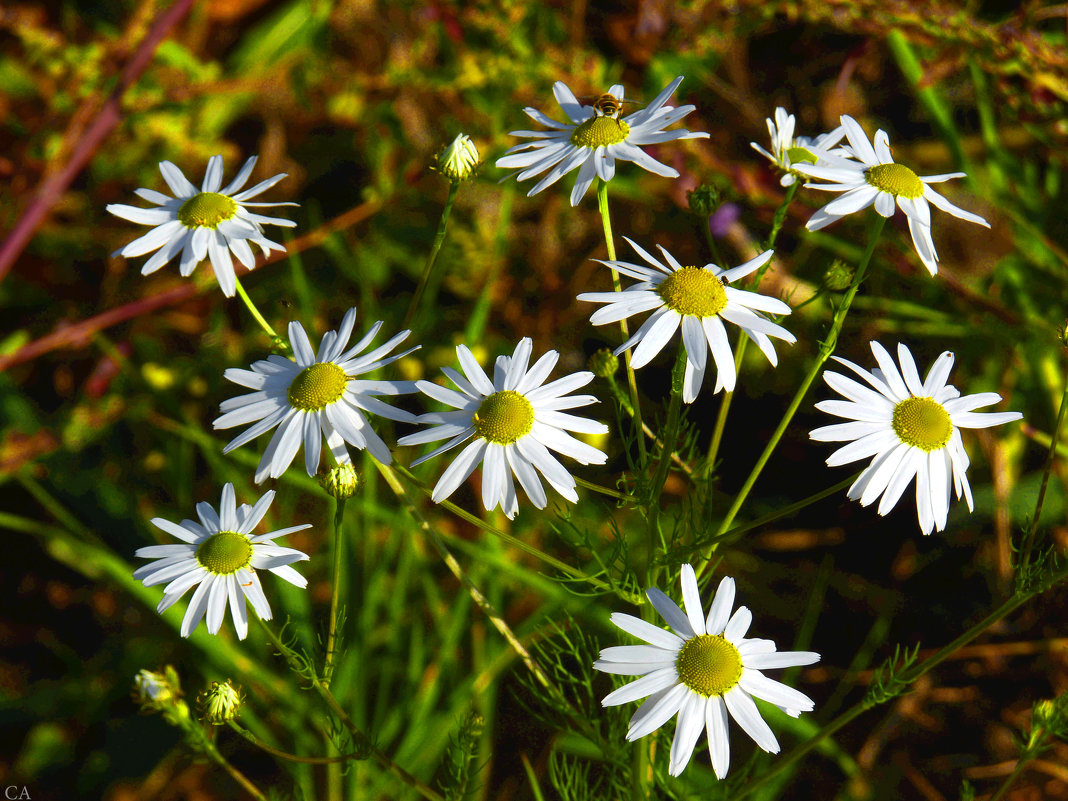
[(877, 179), (595, 138), (786, 149), (699, 299), (909, 428), (209, 222), (315, 395), (515, 420), (703, 670), (220, 557)]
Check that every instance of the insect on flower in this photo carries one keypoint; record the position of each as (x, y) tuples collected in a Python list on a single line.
[(608, 105)]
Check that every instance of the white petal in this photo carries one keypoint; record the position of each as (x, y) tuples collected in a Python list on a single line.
[(643, 630), (746, 715)]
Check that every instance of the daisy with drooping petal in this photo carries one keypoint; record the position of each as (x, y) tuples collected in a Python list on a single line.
[(909, 428), (703, 670), (595, 138), (878, 180), (316, 395), (210, 222), (220, 556), (516, 419), (786, 149), (699, 299)]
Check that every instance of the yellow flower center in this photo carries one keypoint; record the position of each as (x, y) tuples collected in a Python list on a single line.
[(709, 664), (599, 131), (798, 154), (318, 386), (206, 210), (922, 423), (504, 417), (897, 179), (693, 290), (225, 553)]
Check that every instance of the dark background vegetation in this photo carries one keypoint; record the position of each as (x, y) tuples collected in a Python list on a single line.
[(353, 98)]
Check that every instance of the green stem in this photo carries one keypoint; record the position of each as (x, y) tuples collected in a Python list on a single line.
[(476, 595), (739, 353), (517, 543), (825, 351), (713, 248), (259, 318), (224, 763), (632, 383), (671, 438), (671, 429), (906, 678), (1029, 537), (1024, 761), (362, 740), (285, 754), (624, 401), (771, 517), (335, 590), (439, 240)]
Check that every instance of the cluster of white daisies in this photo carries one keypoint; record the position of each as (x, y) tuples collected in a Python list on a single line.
[(515, 422)]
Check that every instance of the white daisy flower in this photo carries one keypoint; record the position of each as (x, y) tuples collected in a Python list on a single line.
[(698, 298), (595, 138), (878, 180), (315, 395), (208, 222), (515, 420), (786, 149), (909, 428), (704, 670), (221, 555)]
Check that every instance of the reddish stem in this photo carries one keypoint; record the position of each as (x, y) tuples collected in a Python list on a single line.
[(79, 334), (107, 118)]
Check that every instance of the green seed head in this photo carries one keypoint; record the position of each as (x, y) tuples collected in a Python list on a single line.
[(694, 291), (600, 131), (709, 664), (798, 154), (318, 386), (225, 553), (922, 423), (897, 179), (504, 417), (206, 210)]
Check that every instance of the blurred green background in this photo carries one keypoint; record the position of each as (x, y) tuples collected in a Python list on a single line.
[(353, 100)]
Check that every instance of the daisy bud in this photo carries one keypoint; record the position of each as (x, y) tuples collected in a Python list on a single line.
[(221, 703), (161, 692), (704, 200), (603, 364), (153, 689), (1063, 333), (340, 482), (459, 159), (838, 277)]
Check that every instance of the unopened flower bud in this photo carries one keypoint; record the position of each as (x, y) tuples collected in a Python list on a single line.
[(603, 363), (459, 159), (838, 277), (704, 200), (221, 703), (156, 689), (1063, 333), (161, 692), (340, 482)]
